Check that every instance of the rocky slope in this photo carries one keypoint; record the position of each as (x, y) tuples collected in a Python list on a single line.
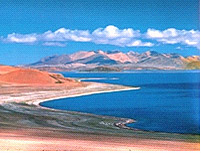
[(116, 59)]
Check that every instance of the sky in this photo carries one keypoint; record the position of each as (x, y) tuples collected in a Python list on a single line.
[(33, 29)]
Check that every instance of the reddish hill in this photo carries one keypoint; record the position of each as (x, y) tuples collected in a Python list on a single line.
[(31, 76), (5, 69)]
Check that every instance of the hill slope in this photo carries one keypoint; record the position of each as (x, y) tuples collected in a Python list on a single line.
[(130, 61), (13, 75)]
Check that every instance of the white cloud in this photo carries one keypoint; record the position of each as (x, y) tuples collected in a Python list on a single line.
[(112, 32), (63, 34), (19, 38), (110, 35), (54, 44), (114, 36), (174, 36), (179, 48), (152, 33), (140, 43)]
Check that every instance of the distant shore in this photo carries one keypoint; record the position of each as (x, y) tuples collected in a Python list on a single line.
[(26, 125)]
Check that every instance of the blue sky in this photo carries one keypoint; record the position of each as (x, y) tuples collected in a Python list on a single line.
[(32, 29)]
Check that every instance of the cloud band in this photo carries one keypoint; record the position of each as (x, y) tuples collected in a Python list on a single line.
[(110, 35)]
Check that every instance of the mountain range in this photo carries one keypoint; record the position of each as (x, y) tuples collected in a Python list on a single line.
[(117, 60)]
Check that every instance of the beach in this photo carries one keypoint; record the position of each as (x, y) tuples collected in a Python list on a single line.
[(25, 125)]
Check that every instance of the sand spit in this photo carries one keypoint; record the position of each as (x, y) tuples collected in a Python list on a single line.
[(36, 95), (27, 126)]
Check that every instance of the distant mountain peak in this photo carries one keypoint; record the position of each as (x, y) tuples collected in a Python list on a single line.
[(129, 60), (152, 53), (113, 51)]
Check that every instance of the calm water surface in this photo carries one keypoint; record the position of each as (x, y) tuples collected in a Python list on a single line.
[(167, 101)]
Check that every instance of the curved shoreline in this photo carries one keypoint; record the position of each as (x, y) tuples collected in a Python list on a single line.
[(121, 124), (117, 88), (90, 88), (22, 117), (84, 94)]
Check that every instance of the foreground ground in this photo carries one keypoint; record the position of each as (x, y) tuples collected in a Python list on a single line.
[(27, 126)]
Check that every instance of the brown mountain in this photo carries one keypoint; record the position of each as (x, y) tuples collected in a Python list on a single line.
[(125, 61)]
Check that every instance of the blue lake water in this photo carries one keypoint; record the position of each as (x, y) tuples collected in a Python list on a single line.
[(168, 101)]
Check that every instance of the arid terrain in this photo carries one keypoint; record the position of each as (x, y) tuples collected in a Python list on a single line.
[(25, 125), (116, 61)]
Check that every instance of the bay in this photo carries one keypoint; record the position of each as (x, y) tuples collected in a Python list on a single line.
[(168, 101)]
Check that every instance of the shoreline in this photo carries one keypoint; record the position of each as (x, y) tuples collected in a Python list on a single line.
[(29, 121), (83, 94), (119, 124)]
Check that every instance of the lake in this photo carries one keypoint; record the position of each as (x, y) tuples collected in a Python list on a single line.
[(168, 101)]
